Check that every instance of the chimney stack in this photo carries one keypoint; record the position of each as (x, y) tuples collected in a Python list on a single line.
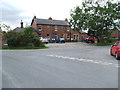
[(66, 19), (34, 17), (49, 18), (21, 24)]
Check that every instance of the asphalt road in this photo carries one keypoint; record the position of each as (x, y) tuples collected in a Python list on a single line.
[(69, 65)]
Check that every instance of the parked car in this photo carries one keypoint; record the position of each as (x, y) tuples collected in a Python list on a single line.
[(90, 39), (45, 40), (115, 50), (61, 40)]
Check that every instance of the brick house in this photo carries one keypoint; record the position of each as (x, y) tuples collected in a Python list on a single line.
[(115, 34), (78, 35), (50, 28)]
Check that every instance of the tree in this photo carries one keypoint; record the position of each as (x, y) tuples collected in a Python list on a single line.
[(4, 27), (27, 37), (97, 18)]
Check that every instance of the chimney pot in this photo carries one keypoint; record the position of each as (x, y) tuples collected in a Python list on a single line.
[(21, 24), (34, 17), (66, 19), (49, 18)]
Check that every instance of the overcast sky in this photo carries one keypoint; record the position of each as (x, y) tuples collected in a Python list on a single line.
[(13, 11)]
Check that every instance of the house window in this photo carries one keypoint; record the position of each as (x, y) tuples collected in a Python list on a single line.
[(56, 28), (75, 36), (62, 35), (40, 28), (68, 35), (54, 33), (68, 29), (62, 27), (48, 35), (48, 27)]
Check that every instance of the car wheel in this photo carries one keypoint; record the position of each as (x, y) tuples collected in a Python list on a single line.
[(89, 41), (116, 56), (92, 41)]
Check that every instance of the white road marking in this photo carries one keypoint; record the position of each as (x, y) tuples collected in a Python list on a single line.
[(85, 60)]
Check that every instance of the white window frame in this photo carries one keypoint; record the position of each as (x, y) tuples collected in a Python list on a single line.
[(56, 28), (68, 29), (41, 28), (74, 36)]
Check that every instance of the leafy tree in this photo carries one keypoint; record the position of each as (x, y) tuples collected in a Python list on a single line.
[(4, 27), (97, 18)]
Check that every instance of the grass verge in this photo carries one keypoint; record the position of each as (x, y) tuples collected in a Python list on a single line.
[(20, 48), (104, 44)]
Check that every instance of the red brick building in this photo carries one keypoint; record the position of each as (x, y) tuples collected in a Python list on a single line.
[(78, 35), (52, 29), (115, 34)]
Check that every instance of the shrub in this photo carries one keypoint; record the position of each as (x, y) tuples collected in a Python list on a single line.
[(23, 38), (37, 43), (11, 38), (112, 40)]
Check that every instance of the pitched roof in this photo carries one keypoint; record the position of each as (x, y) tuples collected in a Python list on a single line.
[(18, 29), (50, 22)]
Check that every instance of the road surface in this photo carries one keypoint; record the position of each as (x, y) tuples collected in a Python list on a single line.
[(69, 65)]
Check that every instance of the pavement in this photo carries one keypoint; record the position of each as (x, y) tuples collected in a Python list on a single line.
[(67, 45), (69, 65)]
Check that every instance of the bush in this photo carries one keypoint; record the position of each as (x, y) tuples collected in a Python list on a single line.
[(37, 43), (112, 40), (11, 38), (23, 38), (104, 44)]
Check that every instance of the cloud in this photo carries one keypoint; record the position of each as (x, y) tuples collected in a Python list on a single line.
[(12, 15), (13, 11)]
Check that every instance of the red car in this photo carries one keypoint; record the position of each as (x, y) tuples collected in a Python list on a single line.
[(90, 39), (115, 50)]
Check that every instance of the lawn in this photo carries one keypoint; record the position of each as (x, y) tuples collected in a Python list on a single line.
[(20, 48), (104, 44)]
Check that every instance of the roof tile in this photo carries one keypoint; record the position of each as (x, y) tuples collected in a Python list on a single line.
[(51, 22)]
